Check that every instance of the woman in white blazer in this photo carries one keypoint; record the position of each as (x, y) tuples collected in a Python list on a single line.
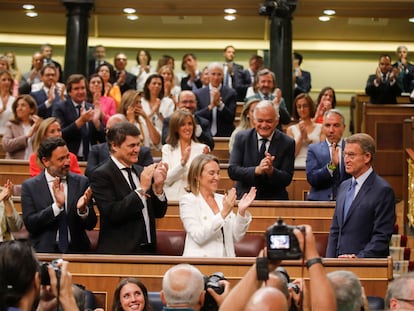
[(180, 149), (10, 220), (208, 218)]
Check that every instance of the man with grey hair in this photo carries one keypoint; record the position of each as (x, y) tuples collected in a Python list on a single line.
[(347, 289), (183, 288), (364, 215), (263, 157), (405, 76), (217, 103), (400, 293)]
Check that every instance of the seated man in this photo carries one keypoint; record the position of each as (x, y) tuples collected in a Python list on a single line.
[(400, 293), (263, 157)]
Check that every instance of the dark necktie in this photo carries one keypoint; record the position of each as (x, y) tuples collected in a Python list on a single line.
[(63, 231), (349, 198), (266, 97), (84, 134), (131, 180), (262, 148)]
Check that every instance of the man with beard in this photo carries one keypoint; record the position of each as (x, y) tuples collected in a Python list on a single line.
[(56, 204)]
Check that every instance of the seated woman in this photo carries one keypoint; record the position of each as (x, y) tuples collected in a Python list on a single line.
[(131, 294), (20, 131), (305, 132), (326, 101), (10, 220), (246, 120), (49, 127), (208, 218), (131, 107), (181, 148), (96, 96)]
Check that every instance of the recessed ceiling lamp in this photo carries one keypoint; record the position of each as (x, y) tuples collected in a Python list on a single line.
[(411, 20), (324, 18), (28, 6), (230, 11), (229, 17), (31, 14), (129, 11), (132, 17), (329, 12)]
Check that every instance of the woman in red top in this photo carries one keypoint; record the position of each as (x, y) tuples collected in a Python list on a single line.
[(49, 127)]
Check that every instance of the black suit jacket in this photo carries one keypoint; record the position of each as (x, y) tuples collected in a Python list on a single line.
[(405, 78), (205, 136), (122, 225), (43, 225), (99, 154), (303, 83), (225, 117), (92, 66), (185, 86), (242, 80), (66, 113), (245, 157), (41, 97), (385, 93), (368, 227), (130, 81)]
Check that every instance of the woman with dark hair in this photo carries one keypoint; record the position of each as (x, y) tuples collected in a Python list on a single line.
[(20, 131), (326, 100), (131, 294), (143, 68), (111, 90), (305, 132), (96, 96), (155, 105), (180, 149)]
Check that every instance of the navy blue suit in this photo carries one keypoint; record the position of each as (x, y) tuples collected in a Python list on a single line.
[(367, 230), (66, 113), (384, 93), (41, 97), (245, 157), (225, 117), (324, 186), (41, 222), (241, 81), (303, 83)]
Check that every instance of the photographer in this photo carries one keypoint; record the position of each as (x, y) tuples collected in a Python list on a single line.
[(322, 296), (20, 284)]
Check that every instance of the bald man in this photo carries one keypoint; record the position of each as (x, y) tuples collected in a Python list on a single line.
[(267, 299)]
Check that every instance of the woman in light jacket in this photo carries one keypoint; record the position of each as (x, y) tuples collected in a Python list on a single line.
[(10, 220), (208, 218)]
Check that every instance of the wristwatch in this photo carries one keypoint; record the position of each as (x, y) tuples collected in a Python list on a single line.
[(331, 166)]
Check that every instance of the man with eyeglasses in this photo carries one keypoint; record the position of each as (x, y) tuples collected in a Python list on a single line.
[(188, 100), (364, 215), (325, 168), (123, 78), (400, 293)]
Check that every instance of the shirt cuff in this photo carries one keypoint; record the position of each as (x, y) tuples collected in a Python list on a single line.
[(221, 107), (47, 104), (56, 209)]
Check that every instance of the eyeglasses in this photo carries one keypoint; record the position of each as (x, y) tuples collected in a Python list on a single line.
[(352, 155), (410, 301)]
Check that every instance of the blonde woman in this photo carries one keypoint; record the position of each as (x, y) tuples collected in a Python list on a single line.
[(10, 220)]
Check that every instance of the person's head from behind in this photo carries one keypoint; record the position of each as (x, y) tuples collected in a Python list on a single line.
[(303, 107), (266, 118), (114, 119), (204, 174), (267, 299), (54, 156), (333, 125), (188, 100), (131, 294), (400, 293), (183, 286), (327, 98), (181, 127), (358, 154), (247, 114), (19, 275), (347, 289), (123, 140)]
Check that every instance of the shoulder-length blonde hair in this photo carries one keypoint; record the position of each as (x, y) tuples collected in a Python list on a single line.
[(176, 120), (196, 168)]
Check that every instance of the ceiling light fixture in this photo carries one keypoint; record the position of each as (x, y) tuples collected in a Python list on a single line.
[(229, 17), (329, 12), (31, 14), (324, 18), (230, 11), (129, 10), (28, 6), (132, 17), (411, 20)]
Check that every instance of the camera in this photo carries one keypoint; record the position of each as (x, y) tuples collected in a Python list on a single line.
[(44, 272), (212, 281), (281, 242)]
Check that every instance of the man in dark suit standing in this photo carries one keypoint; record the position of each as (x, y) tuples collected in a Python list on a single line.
[(50, 94), (98, 59), (301, 78), (188, 100), (47, 51), (192, 81), (217, 103), (244, 79), (364, 215), (230, 67), (81, 123), (123, 78), (263, 157), (100, 153), (129, 197), (382, 87), (325, 168), (57, 206)]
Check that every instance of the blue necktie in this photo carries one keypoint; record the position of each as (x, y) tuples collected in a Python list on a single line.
[(349, 198), (63, 232)]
